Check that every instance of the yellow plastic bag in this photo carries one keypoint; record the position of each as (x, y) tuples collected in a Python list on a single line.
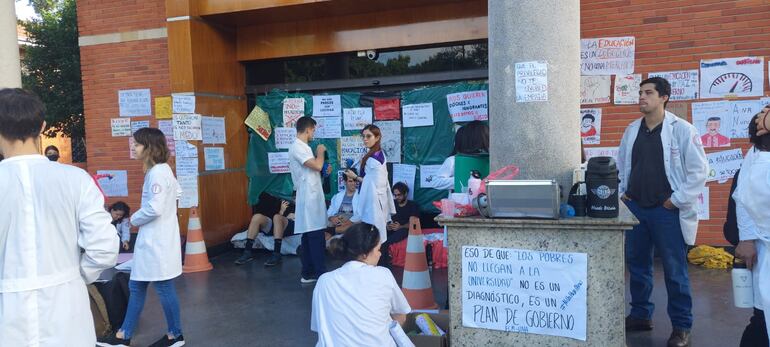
[(710, 257)]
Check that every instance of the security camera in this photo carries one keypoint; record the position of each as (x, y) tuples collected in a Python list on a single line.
[(372, 54)]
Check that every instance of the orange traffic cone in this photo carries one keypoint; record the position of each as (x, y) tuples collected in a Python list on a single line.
[(195, 259), (416, 284)]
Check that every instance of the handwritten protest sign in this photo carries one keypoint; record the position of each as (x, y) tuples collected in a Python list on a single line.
[(627, 89), (525, 291), (327, 106), (724, 164), (405, 173), (167, 128), (328, 128), (293, 109), (732, 77), (284, 137), (607, 56), (259, 121), (183, 103), (278, 162), (186, 166), (134, 102), (214, 158), (742, 111), (684, 84), (113, 182), (121, 127), (356, 118), (213, 130), (468, 106), (351, 147), (163, 107), (417, 115), (531, 81), (187, 127), (428, 175), (594, 90), (136, 125), (189, 186)]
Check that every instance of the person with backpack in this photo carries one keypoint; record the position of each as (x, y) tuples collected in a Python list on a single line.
[(157, 256)]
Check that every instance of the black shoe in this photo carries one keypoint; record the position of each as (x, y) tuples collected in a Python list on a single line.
[(274, 260), (166, 342), (679, 338), (636, 324), (244, 258), (113, 341)]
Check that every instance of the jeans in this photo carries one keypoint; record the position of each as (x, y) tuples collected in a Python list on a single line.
[(167, 294), (658, 229), (313, 255)]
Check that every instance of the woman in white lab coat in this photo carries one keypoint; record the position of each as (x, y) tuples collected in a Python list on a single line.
[(157, 256), (752, 198), (375, 203), (355, 304)]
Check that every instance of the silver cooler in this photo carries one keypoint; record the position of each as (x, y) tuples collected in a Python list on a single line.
[(522, 199)]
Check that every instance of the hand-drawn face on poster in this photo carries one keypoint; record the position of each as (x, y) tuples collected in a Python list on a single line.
[(590, 125)]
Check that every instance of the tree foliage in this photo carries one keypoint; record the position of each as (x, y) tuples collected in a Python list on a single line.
[(52, 65)]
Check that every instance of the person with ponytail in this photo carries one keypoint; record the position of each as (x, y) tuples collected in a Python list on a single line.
[(375, 204), (355, 304)]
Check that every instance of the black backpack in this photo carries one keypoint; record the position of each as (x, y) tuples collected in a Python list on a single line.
[(115, 295)]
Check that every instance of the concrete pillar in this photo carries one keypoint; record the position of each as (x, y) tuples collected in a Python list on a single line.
[(542, 138), (10, 66)]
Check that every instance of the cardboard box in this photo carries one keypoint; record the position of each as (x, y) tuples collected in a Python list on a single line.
[(441, 319)]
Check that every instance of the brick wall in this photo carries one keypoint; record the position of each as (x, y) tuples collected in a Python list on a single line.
[(107, 68), (676, 35), (112, 16)]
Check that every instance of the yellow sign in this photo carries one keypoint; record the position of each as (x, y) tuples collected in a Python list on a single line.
[(163, 107), (259, 121)]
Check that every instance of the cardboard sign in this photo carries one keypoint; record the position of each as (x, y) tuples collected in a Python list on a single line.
[(525, 291)]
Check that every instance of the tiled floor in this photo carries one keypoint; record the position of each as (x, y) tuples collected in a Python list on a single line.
[(251, 305)]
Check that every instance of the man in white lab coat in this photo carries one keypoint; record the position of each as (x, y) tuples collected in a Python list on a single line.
[(310, 208), (48, 212), (662, 171)]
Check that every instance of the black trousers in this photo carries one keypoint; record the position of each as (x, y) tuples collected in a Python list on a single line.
[(755, 334), (393, 237)]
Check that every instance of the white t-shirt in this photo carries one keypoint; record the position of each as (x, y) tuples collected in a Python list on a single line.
[(310, 211), (352, 306)]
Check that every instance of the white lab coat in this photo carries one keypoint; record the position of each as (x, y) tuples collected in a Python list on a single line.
[(124, 230), (310, 211), (685, 163), (336, 202), (352, 306), (752, 198), (375, 205), (157, 251), (50, 211), (445, 177)]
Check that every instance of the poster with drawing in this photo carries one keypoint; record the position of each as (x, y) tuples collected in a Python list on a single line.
[(627, 89), (293, 109), (732, 77), (714, 123), (594, 90), (590, 125), (684, 84), (391, 139)]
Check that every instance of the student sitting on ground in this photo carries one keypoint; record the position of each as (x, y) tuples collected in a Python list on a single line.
[(119, 212), (355, 304), (283, 226), (259, 222), (341, 208), (398, 228)]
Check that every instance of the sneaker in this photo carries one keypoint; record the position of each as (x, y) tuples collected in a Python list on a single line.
[(274, 259), (166, 342), (308, 280), (113, 341), (244, 258)]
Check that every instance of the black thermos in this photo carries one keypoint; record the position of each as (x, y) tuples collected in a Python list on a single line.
[(602, 186)]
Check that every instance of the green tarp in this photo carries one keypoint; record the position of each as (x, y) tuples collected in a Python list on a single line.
[(420, 145)]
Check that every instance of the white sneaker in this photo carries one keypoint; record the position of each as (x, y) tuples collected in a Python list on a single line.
[(307, 280)]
